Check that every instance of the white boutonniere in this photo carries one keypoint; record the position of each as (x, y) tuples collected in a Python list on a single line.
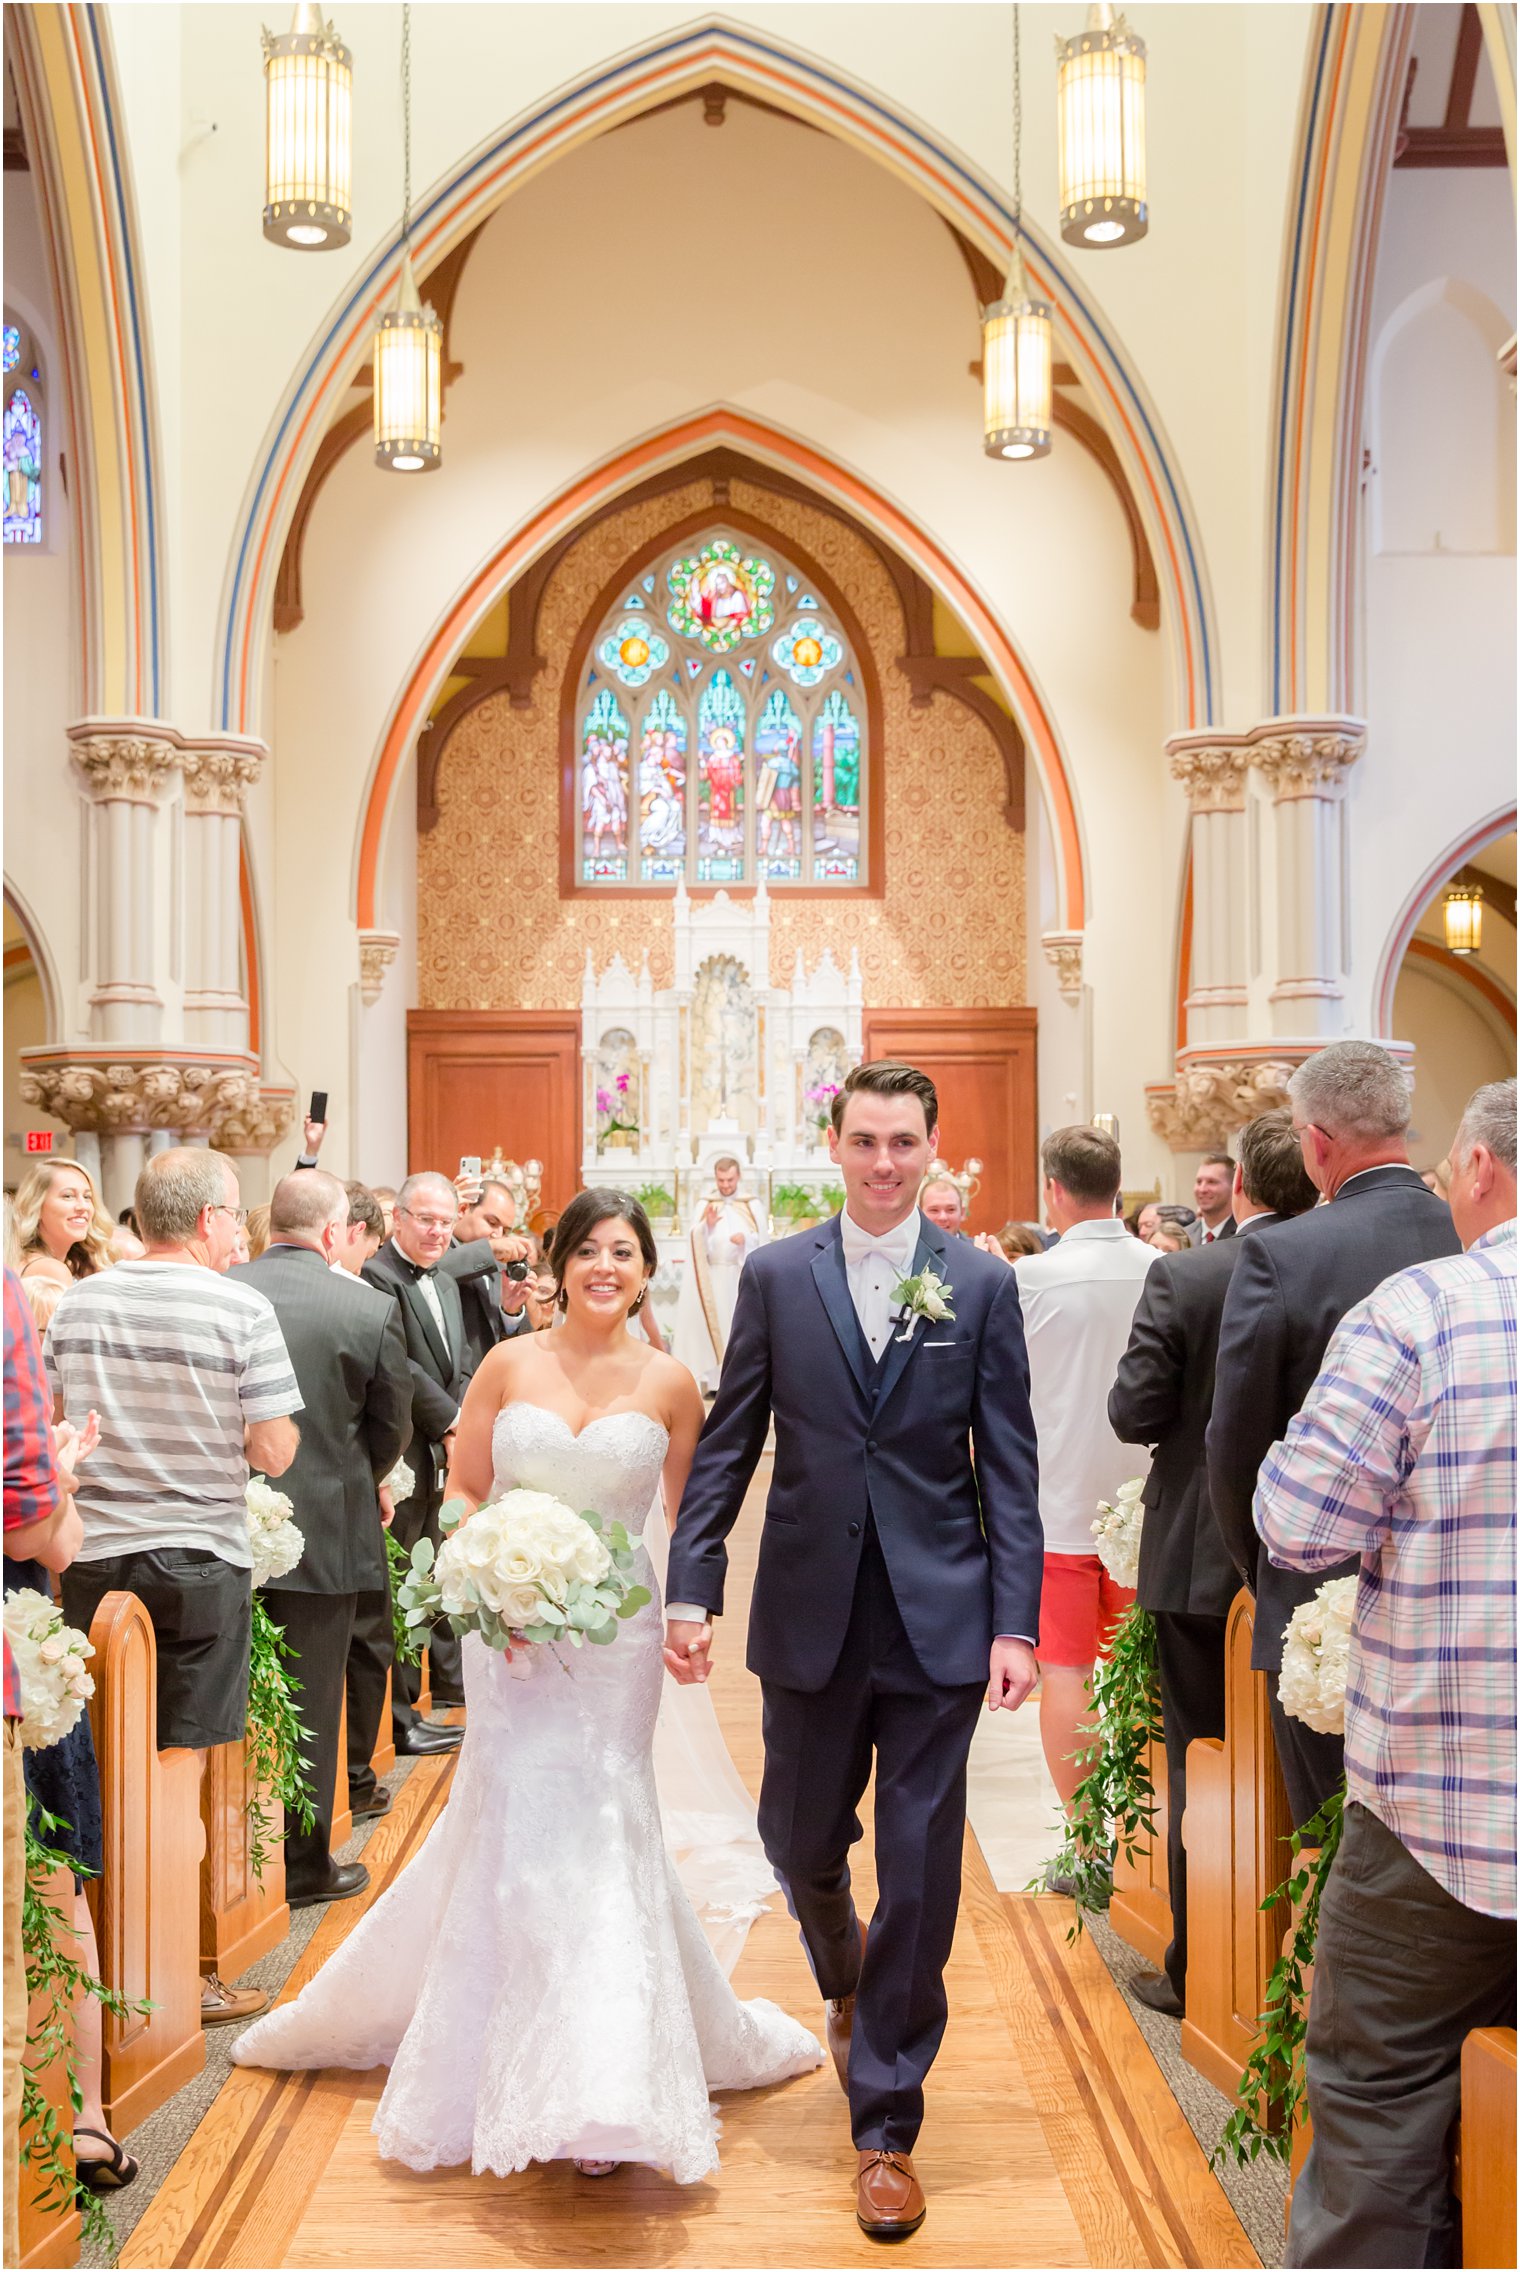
[(926, 1296)]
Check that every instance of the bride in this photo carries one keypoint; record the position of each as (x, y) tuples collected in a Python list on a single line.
[(536, 1979)]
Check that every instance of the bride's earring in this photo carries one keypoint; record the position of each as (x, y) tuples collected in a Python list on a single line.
[(562, 1300), (639, 1304)]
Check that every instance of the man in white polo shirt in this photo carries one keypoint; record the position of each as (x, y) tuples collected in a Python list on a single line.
[(1079, 1302)]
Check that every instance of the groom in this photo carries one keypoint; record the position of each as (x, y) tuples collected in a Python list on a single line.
[(897, 1586)]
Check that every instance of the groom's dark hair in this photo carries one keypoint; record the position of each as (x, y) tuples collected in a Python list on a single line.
[(888, 1077)]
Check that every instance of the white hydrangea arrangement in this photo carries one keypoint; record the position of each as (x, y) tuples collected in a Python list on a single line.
[(1317, 1657), (273, 1538), (49, 1655), (1117, 1531), (525, 1571)]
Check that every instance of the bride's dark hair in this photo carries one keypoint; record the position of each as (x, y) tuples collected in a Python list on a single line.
[(580, 1219)]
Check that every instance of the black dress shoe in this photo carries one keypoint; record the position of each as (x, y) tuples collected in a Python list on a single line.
[(1155, 1990), (423, 1742), (342, 1882), (377, 1801)]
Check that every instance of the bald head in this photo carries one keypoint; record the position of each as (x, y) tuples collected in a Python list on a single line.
[(305, 1205)]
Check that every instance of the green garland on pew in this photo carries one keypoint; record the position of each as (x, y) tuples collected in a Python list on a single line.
[(1114, 1805), (406, 1640), (55, 1974), (1271, 2087), (275, 1736)]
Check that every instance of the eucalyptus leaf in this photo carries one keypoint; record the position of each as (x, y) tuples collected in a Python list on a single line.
[(451, 1514), (422, 1555), (602, 1634), (634, 1601)]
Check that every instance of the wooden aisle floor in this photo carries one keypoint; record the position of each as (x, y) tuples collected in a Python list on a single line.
[(1051, 2137)]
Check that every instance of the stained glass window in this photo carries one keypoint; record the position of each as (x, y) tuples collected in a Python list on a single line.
[(23, 470), (744, 758), (12, 348)]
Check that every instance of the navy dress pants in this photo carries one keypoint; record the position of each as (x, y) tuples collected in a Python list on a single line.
[(819, 1749)]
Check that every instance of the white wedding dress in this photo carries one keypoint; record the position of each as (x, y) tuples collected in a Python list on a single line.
[(536, 1979)]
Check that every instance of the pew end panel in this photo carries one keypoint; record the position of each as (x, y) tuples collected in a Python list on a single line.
[(241, 1917), (50, 2236), (1141, 1909), (1484, 2175)]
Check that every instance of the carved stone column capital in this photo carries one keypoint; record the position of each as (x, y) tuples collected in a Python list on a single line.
[(110, 1092), (1063, 951), (1212, 1097), (1307, 757), (125, 760), (219, 773), (1212, 769), (262, 1120), (377, 951)]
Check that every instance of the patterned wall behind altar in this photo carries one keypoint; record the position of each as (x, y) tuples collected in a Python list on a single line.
[(493, 931)]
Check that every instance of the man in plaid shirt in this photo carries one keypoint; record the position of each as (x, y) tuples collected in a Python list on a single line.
[(1405, 1454)]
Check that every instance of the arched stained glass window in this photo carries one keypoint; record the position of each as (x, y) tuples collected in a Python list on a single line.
[(751, 758)]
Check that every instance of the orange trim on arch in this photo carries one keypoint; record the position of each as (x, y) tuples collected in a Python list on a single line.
[(1470, 973), (250, 954), (682, 441)]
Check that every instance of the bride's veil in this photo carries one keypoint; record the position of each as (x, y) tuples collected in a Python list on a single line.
[(709, 1816)]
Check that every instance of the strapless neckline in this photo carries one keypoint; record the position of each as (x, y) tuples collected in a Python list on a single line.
[(578, 1435)]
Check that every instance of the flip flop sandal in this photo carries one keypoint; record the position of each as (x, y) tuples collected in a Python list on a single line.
[(111, 2175), (597, 2169)]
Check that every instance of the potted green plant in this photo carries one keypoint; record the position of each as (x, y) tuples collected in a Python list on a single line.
[(794, 1205), (658, 1205)]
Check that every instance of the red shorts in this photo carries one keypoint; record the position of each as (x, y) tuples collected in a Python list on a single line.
[(1079, 1607)]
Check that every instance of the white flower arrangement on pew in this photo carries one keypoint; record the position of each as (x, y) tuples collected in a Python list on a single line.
[(50, 1663), (524, 1572), (1117, 1532), (279, 1779), (1317, 1657)]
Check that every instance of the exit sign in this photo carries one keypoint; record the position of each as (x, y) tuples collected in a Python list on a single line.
[(39, 1139)]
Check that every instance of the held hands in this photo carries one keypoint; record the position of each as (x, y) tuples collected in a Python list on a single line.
[(688, 1649), (1011, 1675)]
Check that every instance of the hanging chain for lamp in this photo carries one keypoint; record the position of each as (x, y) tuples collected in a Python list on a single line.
[(1100, 132), (409, 336), (1017, 345), (308, 135)]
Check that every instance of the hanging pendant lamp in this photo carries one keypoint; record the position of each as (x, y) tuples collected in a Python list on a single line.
[(1463, 912), (308, 135), (1017, 341), (1100, 121), (409, 336)]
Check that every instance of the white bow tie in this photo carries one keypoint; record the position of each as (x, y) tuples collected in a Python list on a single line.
[(896, 1246)]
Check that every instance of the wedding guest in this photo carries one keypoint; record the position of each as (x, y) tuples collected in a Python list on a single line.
[(1079, 1303), (256, 1233), (384, 1196), (192, 1382), (346, 1348), (1167, 1238), (371, 1642), (1162, 1397), (432, 1322), (486, 1243), (62, 1229), (364, 1232), (43, 1296), (1015, 1239), (1288, 1294), (1212, 1186), (941, 1201), (1403, 1455)]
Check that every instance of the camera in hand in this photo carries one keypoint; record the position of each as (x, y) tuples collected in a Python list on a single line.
[(518, 1270)]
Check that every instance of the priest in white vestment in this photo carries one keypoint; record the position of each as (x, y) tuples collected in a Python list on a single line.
[(724, 1235)]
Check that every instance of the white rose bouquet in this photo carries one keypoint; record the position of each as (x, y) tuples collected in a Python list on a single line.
[(273, 1538), (525, 1570), (1317, 1657), (1117, 1531), (55, 1687)]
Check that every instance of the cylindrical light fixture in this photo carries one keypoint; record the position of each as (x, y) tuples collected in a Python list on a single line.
[(1100, 118), (308, 135), (1016, 370), (1464, 922), (408, 381)]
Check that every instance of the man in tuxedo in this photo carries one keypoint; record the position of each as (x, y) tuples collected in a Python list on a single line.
[(485, 1242), (897, 1586), (1289, 1292), (1212, 1187), (432, 1321), (1163, 1396), (350, 1365)]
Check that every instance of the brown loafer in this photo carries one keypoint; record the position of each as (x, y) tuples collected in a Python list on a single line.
[(839, 2024), (889, 2201)]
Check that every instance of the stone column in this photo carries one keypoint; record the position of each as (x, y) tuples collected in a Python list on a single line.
[(1212, 769), (1304, 762), (218, 774), (126, 767), (137, 1103)]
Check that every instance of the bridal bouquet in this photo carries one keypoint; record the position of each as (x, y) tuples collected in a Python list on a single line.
[(55, 1687), (273, 1539), (1117, 1531), (525, 1570), (1316, 1657)]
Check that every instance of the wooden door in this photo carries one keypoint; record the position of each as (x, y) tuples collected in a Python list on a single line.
[(983, 1064), (479, 1078)]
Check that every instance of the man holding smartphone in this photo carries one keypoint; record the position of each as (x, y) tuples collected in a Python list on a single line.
[(489, 1263)]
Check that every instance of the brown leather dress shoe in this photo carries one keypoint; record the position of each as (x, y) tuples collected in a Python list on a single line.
[(839, 2024), (889, 2201)]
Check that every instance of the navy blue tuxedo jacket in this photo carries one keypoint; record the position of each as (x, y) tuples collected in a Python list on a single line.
[(963, 1545)]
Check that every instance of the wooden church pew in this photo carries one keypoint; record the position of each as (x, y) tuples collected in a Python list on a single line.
[(1484, 2176), (242, 1917), (145, 1902), (50, 2236), (1140, 1912), (1235, 1831)]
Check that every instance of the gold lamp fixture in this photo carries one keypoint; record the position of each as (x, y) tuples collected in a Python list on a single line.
[(1100, 119), (308, 135), (409, 336), (1463, 911), (1017, 350)]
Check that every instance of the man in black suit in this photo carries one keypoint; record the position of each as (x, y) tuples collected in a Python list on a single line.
[(407, 1268), (350, 1365), (485, 1243), (1162, 1396), (1288, 1294)]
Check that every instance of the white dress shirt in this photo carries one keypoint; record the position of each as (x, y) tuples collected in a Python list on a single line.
[(1079, 1300), (873, 1267)]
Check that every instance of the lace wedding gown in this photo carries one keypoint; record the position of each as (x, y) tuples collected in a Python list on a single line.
[(536, 1979)]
